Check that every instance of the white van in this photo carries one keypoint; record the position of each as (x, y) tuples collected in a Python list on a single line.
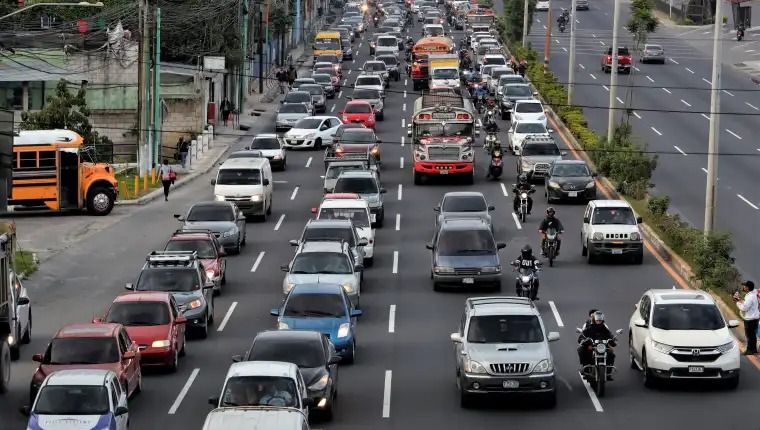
[(248, 183), (256, 418)]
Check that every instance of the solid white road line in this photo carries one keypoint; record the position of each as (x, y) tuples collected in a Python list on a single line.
[(689, 70), (705, 116), (618, 99), (295, 191), (636, 115), (183, 392), (400, 191), (592, 395), (504, 189), (258, 261), (605, 87), (401, 162), (556, 314), (734, 134), (650, 79), (581, 66), (387, 394), (395, 261), (673, 60), (753, 107), (747, 201), (308, 162), (708, 82), (679, 150), (279, 222), (684, 102), (655, 130), (517, 221), (398, 222), (592, 76), (666, 90), (728, 93), (227, 316), (392, 319)]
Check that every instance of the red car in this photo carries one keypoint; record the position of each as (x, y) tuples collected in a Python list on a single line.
[(210, 251), (90, 346), (359, 112), (153, 320)]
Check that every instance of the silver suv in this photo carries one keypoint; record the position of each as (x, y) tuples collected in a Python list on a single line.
[(501, 348), (536, 156)]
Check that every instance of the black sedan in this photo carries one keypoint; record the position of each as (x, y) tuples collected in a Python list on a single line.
[(570, 180)]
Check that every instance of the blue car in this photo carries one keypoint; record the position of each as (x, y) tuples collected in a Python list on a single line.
[(325, 308)]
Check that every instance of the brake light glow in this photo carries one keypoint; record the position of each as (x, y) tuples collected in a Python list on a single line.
[(339, 152), (463, 116), (375, 150), (371, 118), (345, 118), (424, 116)]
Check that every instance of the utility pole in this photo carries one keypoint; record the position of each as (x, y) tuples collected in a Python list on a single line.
[(157, 91), (548, 41), (261, 48), (525, 24), (572, 65), (285, 33), (712, 145), (614, 72), (243, 81), (142, 90)]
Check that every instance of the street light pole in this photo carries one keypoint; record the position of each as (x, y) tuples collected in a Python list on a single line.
[(572, 65), (712, 145), (525, 24), (548, 40), (80, 4), (261, 49), (614, 72)]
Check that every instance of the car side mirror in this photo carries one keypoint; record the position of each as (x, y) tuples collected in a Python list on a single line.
[(456, 338), (265, 182), (222, 253), (437, 208), (22, 301), (208, 286), (285, 268), (350, 98), (491, 208), (340, 112), (121, 410), (213, 181), (618, 331), (639, 322), (552, 336), (307, 402), (501, 245), (733, 323), (241, 217), (37, 358), (409, 132), (429, 246), (97, 320), (356, 313), (585, 220), (639, 220), (180, 320), (383, 191), (274, 312), (213, 401), (293, 242), (535, 93), (129, 286), (363, 242), (550, 130), (177, 216), (335, 359), (594, 174), (128, 355), (313, 210), (25, 410), (358, 268)]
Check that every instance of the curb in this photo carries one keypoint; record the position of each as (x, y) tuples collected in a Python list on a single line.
[(153, 195)]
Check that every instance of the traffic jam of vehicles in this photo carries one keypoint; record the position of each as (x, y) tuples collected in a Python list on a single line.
[(471, 118)]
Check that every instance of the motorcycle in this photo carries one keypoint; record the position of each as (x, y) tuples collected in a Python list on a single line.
[(496, 168), (550, 246), (561, 27), (489, 117), (523, 207), (479, 103), (739, 34), (526, 280), (491, 139), (596, 374)]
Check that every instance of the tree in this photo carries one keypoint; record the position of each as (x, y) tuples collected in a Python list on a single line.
[(642, 22), (281, 22), (68, 111), (513, 17)]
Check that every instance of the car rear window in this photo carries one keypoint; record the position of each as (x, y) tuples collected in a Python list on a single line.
[(169, 280), (505, 329), (464, 204), (204, 247), (139, 314), (358, 108), (325, 233), (82, 350), (356, 185), (466, 243), (302, 353)]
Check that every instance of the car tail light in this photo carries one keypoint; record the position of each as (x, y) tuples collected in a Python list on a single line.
[(339, 152), (371, 118), (371, 241), (345, 119), (375, 150), (646, 52)]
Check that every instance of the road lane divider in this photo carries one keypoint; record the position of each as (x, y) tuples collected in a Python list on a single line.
[(667, 91), (517, 221), (295, 192), (258, 261), (183, 392), (398, 222), (279, 222), (689, 70), (650, 79), (504, 189), (581, 66), (605, 87), (227, 316), (752, 106), (592, 76), (592, 395), (402, 140), (401, 163), (400, 191), (308, 162), (744, 199), (684, 102), (636, 115), (679, 150), (387, 394), (730, 94), (708, 82), (332, 109), (404, 93), (553, 307), (395, 262), (705, 117), (673, 60), (655, 130), (403, 123), (619, 101), (734, 134), (392, 319), (403, 107)]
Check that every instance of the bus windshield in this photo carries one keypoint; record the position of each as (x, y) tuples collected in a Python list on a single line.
[(325, 44), (443, 130)]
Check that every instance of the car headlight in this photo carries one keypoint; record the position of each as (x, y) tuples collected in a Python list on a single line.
[(490, 269), (518, 117), (288, 286), (375, 204), (591, 184), (219, 197), (343, 330), (544, 366), (525, 279), (210, 274), (277, 157), (598, 236), (348, 287), (229, 233), (635, 236), (320, 384), (195, 304), (438, 269), (471, 366), (553, 184), (727, 347), (160, 344), (542, 117), (282, 326), (257, 197), (661, 347)]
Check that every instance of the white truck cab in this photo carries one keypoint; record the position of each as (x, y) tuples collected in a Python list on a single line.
[(611, 228)]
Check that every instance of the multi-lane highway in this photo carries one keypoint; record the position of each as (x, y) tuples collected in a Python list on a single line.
[(672, 109), (404, 372)]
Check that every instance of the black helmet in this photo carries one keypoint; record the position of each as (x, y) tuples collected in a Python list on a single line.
[(526, 251), (597, 317), (592, 312), (523, 179), (550, 212)]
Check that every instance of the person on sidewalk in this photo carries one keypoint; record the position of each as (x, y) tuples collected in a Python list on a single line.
[(750, 313), (167, 177), (292, 75), (226, 108), (183, 147)]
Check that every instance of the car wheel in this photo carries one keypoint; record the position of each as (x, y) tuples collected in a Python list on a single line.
[(269, 208), (631, 358), (369, 261), (351, 355), (238, 246), (649, 380), (16, 347), (590, 257), (380, 219), (203, 331), (318, 144), (183, 351), (379, 116), (27, 337), (138, 388), (174, 365)]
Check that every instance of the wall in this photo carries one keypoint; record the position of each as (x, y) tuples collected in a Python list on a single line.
[(182, 118), (117, 125)]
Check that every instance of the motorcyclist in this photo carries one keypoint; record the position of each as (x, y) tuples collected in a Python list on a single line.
[(596, 330), (492, 127), (527, 260), (550, 222), (496, 152), (522, 186), (590, 319), (561, 20), (480, 90), (565, 15)]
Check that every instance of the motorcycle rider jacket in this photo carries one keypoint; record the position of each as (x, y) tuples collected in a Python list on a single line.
[(550, 222)]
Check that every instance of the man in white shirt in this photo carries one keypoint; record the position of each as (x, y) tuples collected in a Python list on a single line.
[(750, 313)]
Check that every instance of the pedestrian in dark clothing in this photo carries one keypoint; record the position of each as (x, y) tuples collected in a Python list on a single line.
[(521, 68), (292, 75), (167, 177), (183, 147), (226, 110)]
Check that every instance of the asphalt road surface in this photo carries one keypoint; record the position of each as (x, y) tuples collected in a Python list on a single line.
[(404, 374), (672, 109)]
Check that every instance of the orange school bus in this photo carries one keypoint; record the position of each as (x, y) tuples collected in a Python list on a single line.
[(420, 52), (50, 175)]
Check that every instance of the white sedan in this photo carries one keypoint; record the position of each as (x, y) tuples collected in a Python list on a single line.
[(522, 129), (542, 5), (312, 132), (529, 110)]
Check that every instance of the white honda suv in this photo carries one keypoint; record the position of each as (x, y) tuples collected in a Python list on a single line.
[(681, 334)]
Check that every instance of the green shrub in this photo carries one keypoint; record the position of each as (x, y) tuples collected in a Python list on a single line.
[(658, 205)]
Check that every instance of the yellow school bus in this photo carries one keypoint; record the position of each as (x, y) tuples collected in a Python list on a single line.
[(328, 42), (49, 174)]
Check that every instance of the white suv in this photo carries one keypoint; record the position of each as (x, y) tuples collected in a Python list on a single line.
[(611, 228), (680, 334)]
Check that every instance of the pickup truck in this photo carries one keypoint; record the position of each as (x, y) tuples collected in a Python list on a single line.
[(625, 62)]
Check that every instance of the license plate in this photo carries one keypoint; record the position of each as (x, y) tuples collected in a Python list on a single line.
[(572, 194), (468, 280), (696, 369), (373, 217), (444, 172), (510, 384), (617, 251)]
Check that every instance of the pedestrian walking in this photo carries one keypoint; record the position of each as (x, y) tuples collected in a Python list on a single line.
[(183, 147), (167, 177), (282, 78), (521, 68), (226, 110), (750, 313), (292, 75)]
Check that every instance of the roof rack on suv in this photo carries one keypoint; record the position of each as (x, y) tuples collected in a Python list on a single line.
[(325, 239), (190, 231), (172, 258), (474, 301)]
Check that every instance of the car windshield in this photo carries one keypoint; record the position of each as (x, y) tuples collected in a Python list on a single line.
[(235, 177), (445, 74), (464, 204), (687, 316), (293, 108), (315, 305), (330, 263), (334, 171), (520, 91), (530, 128), (73, 400), (316, 234), (326, 44), (364, 94), (499, 73), (369, 80), (375, 66), (466, 243), (82, 350), (570, 170), (358, 108), (356, 185), (438, 129), (266, 142), (322, 78), (540, 149), (653, 47), (511, 79), (620, 216), (357, 215), (168, 279), (495, 60), (387, 41), (304, 354), (308, 123), (217, 212), (313, 89), (435, 31), (505, 329), (259, 391), (298, 96), (132, 314), (388, 60), (353, 138), (529, 108), (204, 247)]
